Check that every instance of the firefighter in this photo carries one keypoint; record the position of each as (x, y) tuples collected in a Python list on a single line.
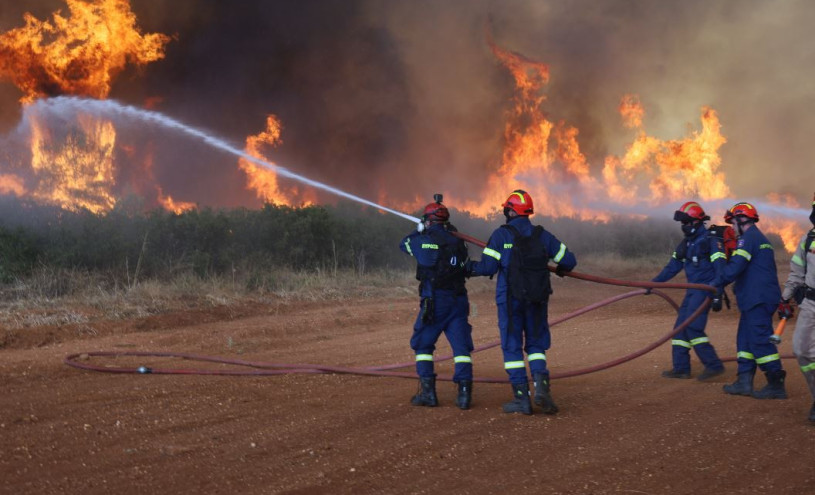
[(701, 255), (752, 268), (520, 253), (800, 286), (444, 307)]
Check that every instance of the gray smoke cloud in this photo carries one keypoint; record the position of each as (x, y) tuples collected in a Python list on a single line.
[(406, 98)]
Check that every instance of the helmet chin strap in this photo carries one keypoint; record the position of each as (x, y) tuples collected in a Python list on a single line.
[(740, 223)]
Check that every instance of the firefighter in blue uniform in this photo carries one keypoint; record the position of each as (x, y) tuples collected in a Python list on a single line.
[(701, 256), (752, 268), (441, 259), (523, 325)]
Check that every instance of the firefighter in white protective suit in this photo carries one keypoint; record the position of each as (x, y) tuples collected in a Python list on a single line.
[(800, 286)]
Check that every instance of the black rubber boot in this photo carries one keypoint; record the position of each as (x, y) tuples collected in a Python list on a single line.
[(775, 386), (742, 386), (465, 394), (520, 403), (709, 373), (543, 396), (676, 374), (427, 393), (812, 413)]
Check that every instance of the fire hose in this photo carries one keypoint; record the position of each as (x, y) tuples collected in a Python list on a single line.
[(264, 368)]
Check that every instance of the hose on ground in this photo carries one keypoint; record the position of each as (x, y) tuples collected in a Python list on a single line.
[(264, 368)]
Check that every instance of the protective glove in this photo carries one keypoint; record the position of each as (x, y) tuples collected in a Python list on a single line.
[(785, 309), (420, 227), (561, 270), (469, 267), (716, 303)]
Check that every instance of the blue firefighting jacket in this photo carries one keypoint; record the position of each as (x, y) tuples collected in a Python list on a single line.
[(701, 255), (752, 267), (426, 249), (495, 257)]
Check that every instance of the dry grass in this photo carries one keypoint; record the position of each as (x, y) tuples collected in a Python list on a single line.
[(70, 297)]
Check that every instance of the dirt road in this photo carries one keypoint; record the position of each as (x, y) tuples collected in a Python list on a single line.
[(623, 430)]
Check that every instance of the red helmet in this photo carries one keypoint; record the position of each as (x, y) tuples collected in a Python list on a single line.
[(520, 202), (435, 212), (744, 210), (690, 212), (728, 216)]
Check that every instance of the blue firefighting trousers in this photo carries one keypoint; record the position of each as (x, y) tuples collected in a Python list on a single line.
[(753, 340), (523, 329), (450, 314), (693, 336)]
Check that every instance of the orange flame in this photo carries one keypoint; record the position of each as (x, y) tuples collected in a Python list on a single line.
[(169, 204), (529, 162), (632, 111), (545, 159), (12, 184), (77, 172), (263, 180), (78, 55), (790, 231), (674, 170)]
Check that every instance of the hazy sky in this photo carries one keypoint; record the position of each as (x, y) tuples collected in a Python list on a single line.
[(406, 97)]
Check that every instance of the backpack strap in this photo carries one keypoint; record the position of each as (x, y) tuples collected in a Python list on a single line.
[(808, 246), (513, 230)]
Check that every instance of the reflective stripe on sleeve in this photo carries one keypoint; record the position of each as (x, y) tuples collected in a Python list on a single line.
[(560, 253), (700, 340), (407, 246), (680, 343), (716, 256), (424, 357), (462, 359), (510, 365), (797, 260), (767, 359), (742, 252), (537, 355), (745, 355), (492, 253), (808, 368)]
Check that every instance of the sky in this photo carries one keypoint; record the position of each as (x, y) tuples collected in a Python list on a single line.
[(395, 99)]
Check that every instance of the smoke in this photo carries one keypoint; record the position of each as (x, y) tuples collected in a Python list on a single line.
[(398, 100)]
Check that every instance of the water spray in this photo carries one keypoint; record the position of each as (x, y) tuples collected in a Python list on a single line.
[(63, 104)]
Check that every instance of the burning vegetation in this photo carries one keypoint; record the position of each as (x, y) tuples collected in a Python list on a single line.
[(81, 166)]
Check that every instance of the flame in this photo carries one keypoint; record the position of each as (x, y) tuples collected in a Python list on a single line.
[(78, 55), (76, 172), (544, 158), (12, 184), (169, 204), (790, 231), (529, 161), (263, 180), (674, 170), (632, 111)]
